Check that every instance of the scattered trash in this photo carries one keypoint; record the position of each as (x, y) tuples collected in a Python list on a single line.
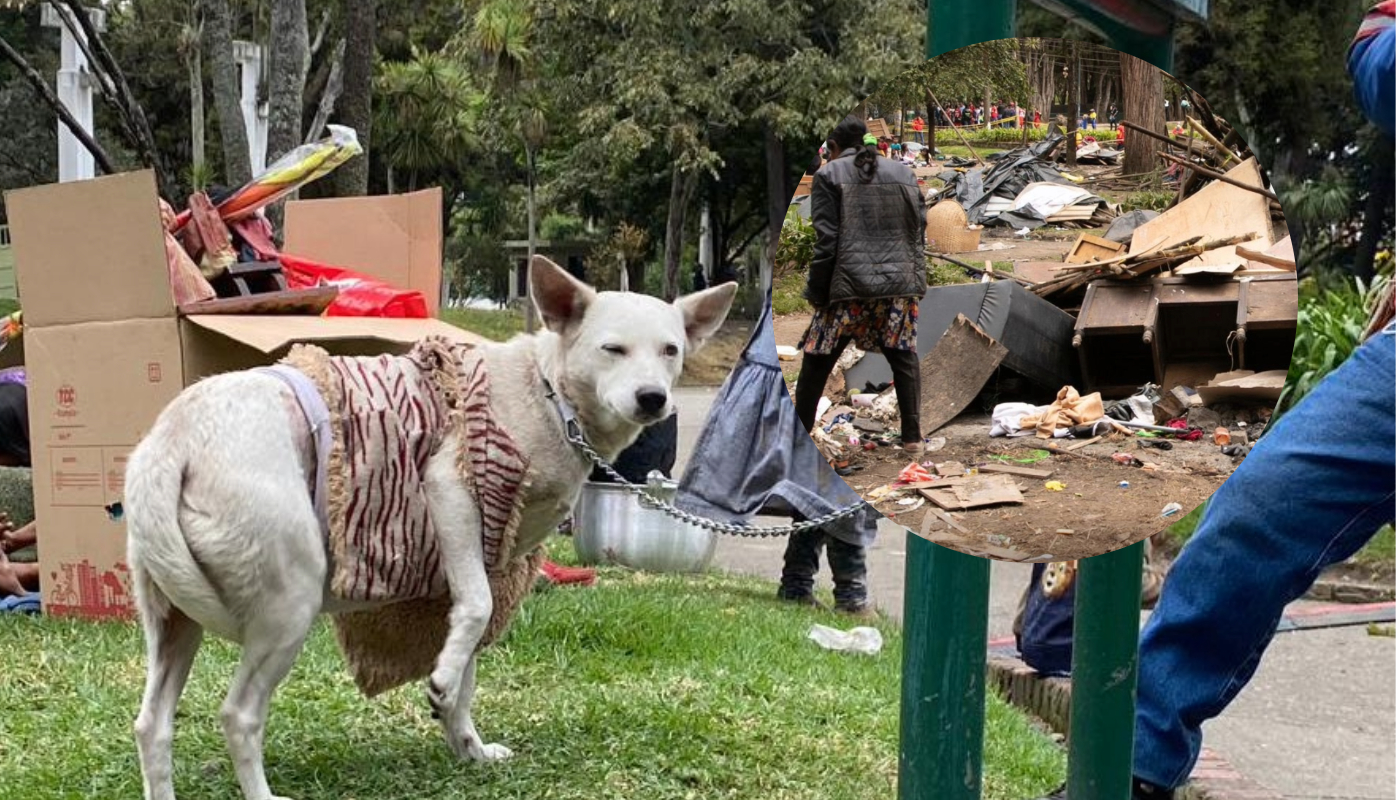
[(909, 501), (1024, 233), (935, 444), (1222, 436), (865, 640), (1235, 450), (1121, 229), (1158, 444), (863, 400), (1127, 459), (787, 352), (915, 473), (1122, 484), (1054, 486), (1065, 531), (1170, 509)]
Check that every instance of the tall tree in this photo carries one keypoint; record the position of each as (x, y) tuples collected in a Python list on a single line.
[(218, 32), (289, 57), (355, 109), (1142, 105)]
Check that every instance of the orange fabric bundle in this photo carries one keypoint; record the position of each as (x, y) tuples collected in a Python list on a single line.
[(186, 282)]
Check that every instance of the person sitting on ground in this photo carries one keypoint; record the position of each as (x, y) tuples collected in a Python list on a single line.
[(15, 578), (867, 275)]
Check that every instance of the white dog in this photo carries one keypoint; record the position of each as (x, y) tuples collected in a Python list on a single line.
[(226, 531)]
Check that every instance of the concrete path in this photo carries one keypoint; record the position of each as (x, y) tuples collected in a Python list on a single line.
[(1316, 723)]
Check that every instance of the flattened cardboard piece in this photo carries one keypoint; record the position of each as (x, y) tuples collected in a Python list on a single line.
[(1218, 211), (976, 491), (270, 334), (90, 251), (955, 371), (394, 238), (1262, 387)]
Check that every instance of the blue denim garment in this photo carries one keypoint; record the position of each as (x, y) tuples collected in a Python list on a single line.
[(1313, 491)]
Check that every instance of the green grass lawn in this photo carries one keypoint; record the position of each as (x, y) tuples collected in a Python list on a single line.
[(496, 324), (643, 687)]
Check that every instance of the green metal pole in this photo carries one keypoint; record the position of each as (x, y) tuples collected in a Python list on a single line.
[(944, 691), (957, 23), (1108, 596)]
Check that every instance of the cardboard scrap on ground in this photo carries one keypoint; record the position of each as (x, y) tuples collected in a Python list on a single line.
[(955, 372), (975, 491), (1263, 387)]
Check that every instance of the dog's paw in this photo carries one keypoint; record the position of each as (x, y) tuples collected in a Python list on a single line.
[(488, 753)]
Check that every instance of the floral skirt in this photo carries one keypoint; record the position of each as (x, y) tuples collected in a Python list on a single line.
[(890, 322)]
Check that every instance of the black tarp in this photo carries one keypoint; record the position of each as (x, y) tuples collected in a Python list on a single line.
[(1006, 175), (1035, 332)]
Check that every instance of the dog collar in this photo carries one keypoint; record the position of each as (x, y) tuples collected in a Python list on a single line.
[(573, 431)]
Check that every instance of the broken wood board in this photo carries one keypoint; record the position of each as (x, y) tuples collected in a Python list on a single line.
[(877, 128), (927, 484), (1263, 387), (976, 491), (1219, 270), (955, 371), (1280, 255), (1218, 211), (938, 513), (950, 469), (1037, 271), (1085, 443), (1089, 248), (1014, 470)]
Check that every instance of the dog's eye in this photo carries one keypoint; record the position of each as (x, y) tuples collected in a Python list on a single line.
[(670, 351), (615, 349)]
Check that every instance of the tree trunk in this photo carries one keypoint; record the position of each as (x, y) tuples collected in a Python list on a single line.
[(682, 187), (352, 178), (1380, 194), (1142, 104), (195, 63), (218, 30), (288, 61), (987, 106), (41, 86), (530, 311), (778, 196), (288, 53)]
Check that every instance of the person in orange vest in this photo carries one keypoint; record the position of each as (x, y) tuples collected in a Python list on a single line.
[(918, 126)]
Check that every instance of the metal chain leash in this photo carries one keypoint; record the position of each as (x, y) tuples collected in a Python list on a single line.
[(733, 529)]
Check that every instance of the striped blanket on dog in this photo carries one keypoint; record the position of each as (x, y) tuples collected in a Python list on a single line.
[(388, 416)]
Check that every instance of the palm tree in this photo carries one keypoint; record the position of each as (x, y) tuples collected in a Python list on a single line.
[(500, 38), (426, 117)]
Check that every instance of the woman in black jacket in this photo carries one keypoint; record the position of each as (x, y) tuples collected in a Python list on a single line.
[(867, 274)]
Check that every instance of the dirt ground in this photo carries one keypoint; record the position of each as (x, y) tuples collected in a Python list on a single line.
[(1099, 515)]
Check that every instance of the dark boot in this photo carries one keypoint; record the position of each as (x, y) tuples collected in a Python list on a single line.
[(800, 565), (848, 573), (905, 366)]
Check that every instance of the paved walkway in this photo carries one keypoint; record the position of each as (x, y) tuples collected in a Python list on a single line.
[(1316, 723)]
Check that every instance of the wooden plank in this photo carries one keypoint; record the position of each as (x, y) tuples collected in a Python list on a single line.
[(1218, 211), (950, 469), (1085, 443), (955, 371), (1013, 470), (1271, 304), (1263, 257), (945, 516), (940, 484), (1089, 248), (302, 302)]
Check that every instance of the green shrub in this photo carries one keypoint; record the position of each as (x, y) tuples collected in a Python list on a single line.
[(1151, 200), (1330, 324), (796, 244)]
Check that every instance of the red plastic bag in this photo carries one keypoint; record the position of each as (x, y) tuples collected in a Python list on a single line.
[(360, 295)]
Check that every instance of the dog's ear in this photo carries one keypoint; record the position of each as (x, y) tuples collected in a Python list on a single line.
[(560, 298), (704, 313)]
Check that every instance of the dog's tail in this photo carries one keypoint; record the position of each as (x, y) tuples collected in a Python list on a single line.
[(164, 569)]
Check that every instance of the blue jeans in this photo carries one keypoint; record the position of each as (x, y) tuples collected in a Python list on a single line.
[(1313, 491)]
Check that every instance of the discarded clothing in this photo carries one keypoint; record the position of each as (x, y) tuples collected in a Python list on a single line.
[(1068, 410)]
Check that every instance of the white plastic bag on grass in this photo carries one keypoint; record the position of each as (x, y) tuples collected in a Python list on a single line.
[(856, 640)]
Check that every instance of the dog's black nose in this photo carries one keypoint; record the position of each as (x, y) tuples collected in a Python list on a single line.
[(651, 401)]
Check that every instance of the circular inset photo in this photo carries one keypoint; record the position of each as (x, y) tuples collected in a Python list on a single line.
[(1037, 302)]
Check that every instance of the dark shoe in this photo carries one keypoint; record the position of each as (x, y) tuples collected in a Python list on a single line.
[(860, 611), (1141, 791), (801, 599)]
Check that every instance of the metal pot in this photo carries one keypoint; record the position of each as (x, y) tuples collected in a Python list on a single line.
[(612, 526)]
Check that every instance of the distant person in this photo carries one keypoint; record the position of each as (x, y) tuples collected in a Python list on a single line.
[(867, 275), (1259, 546), (1113, 117), (15, 578), (918, 127), (1094, 118), (1037, 118)]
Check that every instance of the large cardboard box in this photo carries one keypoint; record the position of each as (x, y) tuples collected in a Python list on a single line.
[(106, 349)]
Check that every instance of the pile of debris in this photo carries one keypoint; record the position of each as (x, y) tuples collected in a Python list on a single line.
[(1022, 188)]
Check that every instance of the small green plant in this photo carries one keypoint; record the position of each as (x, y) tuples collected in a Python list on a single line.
[(1151, 200), (1330, 324), (796, 245), (941, 273), (787, 293)]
